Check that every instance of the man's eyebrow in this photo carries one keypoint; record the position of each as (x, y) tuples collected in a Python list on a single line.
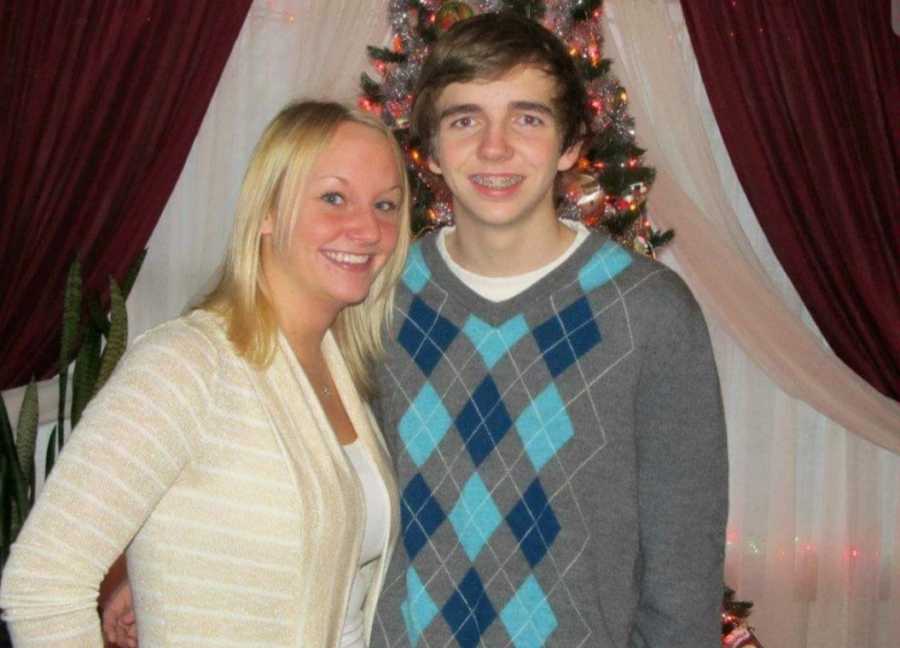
[(533, 106), (458, 109)]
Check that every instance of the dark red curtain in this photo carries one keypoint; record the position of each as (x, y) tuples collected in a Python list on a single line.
[(99, 104), (806, 96)]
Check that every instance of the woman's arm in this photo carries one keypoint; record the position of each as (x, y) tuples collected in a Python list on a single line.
[(134, 440)]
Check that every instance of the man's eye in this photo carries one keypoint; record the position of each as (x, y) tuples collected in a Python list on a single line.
[(462, 122), (333, 198), (531, 120)]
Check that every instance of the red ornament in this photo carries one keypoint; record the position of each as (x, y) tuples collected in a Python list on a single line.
[(584, 191), (741, 637), (450, 13)]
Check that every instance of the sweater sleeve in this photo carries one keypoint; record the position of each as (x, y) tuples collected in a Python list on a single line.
[(683, 476), (133, 441)]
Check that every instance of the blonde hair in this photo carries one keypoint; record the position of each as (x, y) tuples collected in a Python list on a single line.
[(275, 177)]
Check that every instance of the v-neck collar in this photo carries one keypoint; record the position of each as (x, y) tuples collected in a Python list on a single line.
[(495, 313)]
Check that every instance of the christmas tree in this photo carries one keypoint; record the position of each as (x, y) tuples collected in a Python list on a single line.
[(607, 187), (736, 632)]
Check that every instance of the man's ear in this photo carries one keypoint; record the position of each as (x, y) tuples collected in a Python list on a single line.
[(433, 165), (569, 157)]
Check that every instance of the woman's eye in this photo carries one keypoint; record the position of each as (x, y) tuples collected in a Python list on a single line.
[(333, 198), (386, 206)]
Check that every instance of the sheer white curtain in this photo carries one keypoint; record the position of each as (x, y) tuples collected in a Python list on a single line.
[(287, 49), (813, 533)]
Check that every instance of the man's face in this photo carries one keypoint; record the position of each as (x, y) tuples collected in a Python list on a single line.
[(497, 147)]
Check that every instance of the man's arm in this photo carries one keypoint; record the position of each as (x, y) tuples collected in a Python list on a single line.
[(119, 628), (683, 477)]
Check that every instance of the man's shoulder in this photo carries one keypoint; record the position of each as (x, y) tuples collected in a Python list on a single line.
[(631, 275)]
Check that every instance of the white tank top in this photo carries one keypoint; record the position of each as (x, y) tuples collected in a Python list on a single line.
[(376, 505)]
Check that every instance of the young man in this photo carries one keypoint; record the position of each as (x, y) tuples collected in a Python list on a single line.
[(552, 398)]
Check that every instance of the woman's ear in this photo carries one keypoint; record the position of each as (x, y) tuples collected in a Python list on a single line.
[(268, 225)]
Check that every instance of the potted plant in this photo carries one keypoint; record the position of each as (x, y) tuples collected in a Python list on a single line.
[(93, 337)]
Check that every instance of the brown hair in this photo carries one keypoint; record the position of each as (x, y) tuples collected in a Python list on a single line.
[(486, 47)]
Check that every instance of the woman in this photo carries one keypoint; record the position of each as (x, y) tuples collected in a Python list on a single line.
[(232, 451)]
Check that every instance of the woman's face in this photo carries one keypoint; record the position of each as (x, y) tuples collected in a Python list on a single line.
[(346, 225)]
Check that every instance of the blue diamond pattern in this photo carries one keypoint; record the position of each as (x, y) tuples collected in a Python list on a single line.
[(494, 342), (424, 424), (484, 421), (418, 609), (420, 515), (528, 617), (416, 273), (469, 612), (425, 335), (544, 426), (606, 263), (581, 329), (534, 524), (566, 336), (475, 516)]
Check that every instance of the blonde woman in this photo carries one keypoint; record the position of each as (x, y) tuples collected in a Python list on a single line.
[(233, 452)]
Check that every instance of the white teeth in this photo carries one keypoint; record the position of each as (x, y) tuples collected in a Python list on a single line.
[(497, 182), (346, 257)]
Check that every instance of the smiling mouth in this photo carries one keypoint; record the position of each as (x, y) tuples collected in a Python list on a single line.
[(346, 258), (491, 181)]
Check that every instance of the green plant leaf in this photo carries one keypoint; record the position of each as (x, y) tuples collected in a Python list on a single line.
[(97, 317), (118, 335), (131, 275), (71, 319), (18, 493), (87, 368), (6, 500), (26, 435), (50, 459)]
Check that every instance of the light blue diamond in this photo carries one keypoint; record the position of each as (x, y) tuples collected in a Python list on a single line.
[(494, 342), (544, 426), (475, 516), (416, 273), (606, 263), (424, 424), (528, 617), (418, 609)]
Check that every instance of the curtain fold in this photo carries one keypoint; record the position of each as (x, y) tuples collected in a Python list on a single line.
[(801, 92), (813, 532), (711, 247), (102, 101)]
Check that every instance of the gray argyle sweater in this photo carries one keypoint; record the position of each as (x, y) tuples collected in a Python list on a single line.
[(561, 459)]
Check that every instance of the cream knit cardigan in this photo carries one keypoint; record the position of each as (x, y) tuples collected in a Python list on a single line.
[(243, 515)]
